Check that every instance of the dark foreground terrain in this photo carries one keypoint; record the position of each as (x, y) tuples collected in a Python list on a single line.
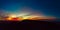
[(29, 25)]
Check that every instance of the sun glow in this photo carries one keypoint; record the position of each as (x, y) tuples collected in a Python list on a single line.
[(30, 17), (13, 16), (21, 17)]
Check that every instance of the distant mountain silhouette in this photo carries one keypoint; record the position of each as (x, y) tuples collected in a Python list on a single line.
[(29, 25)]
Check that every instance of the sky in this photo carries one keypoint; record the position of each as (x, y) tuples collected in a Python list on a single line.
[(48, 7)]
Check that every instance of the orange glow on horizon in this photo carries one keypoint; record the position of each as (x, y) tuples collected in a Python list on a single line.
[(29, 18), (12, 17)]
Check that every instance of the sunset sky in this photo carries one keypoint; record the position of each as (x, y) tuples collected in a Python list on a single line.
[(48, 7)]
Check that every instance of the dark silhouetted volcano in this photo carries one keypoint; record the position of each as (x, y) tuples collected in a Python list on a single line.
[(29, 25)]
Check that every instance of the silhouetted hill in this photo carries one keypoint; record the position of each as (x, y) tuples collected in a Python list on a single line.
[(29, 25)]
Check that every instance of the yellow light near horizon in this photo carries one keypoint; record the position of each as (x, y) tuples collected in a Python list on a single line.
[(12, 16), (26, 17)]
